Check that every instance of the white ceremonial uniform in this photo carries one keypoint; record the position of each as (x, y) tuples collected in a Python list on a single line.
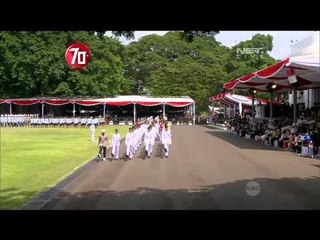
[(149, 141), (83, 121), (48, 121), (62, 121), (116, 145), (166, 140), (69, 121), (42, 122), (56, 121), (89, 121), (92, 131), (155, 135), (128, 143), (95, 121)]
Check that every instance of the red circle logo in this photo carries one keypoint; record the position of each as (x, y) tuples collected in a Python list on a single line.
[(78, 55)]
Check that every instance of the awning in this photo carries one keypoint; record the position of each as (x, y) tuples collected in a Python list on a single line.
[(148, 104), (277, 74), (117, 101), (87, 102), (118, 104), (57, 102), (25, 102), (232, 99), (304, 63)]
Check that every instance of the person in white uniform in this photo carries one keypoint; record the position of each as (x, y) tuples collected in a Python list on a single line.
[(115, 144), (133, 140), (166, 139), (149, 141), (128, 144), (136, 138), (92, 131)]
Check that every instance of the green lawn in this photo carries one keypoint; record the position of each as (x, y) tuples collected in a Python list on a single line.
[(33, 159)]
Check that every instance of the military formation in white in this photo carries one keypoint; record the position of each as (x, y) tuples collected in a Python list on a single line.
[(33, 120), (145, 134)]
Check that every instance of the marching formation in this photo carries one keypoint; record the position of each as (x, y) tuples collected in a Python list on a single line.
[(33, 120), (146, 133)]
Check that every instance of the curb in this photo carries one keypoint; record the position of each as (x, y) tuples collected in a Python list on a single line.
[(49, 192)]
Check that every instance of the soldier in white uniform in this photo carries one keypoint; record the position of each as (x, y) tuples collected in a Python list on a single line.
[(53, 122), (32, 122), (46, 122), (149, 141), (68, 122), (62, 122), (42, 122), (166, 140), (3, 121), (134, 140), (89, 121), (140, 130), (128, 143), (83, 121), (75, 122), (115, 144), (96, 121), (92, 132)]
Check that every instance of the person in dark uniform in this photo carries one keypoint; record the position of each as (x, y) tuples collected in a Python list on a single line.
[(103, 142)]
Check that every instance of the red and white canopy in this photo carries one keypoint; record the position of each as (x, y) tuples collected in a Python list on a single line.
[(117, 101), (232, 99), (304, 63)]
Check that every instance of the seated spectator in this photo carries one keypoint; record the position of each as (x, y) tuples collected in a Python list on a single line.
[(284, 137), (297, 143)]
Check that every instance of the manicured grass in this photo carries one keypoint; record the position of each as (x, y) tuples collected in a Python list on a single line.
[(33, 159)]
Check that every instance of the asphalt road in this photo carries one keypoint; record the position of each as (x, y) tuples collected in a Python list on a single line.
[(207, 168)]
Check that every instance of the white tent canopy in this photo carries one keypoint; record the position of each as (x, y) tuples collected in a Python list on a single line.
[(134, 99)]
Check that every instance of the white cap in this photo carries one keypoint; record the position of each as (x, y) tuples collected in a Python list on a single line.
[(103, 130)]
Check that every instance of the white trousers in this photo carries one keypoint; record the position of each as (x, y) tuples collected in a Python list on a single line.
[(92, 137), (115, 150), (129, 151), (149, 148), (166, 149)]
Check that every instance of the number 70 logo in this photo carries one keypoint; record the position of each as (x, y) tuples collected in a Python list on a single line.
[(78, 55)]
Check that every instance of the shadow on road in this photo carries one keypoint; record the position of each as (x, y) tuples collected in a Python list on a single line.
[(157, 152), (238, 141), (273, 194), (315, 165)]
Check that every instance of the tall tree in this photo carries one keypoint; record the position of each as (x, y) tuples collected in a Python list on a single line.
[(249, 56), (32, 63), (171, 66), (178, 63)]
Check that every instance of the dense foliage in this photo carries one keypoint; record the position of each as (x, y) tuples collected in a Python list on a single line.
[(177, 64)]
